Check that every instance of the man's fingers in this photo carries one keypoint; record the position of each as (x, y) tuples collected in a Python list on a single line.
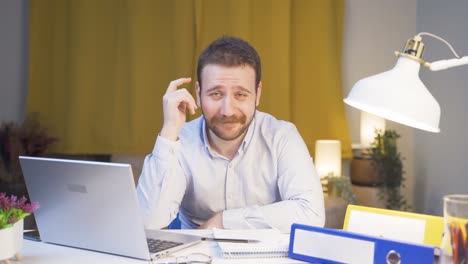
[(182, 96), (176, 83), (193, 108), (182, 107)]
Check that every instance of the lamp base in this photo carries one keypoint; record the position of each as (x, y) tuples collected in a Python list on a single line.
[(324, 182)]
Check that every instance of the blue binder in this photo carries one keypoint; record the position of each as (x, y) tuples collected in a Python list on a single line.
[(325, 245)]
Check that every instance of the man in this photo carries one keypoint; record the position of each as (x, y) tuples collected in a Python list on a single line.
[(234, 167)]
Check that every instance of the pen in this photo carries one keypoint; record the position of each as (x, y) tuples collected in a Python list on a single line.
[(231, 240)]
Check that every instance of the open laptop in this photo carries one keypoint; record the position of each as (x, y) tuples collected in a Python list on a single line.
[(93, 205)]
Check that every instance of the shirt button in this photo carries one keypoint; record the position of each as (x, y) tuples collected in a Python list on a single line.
[(230, 166)]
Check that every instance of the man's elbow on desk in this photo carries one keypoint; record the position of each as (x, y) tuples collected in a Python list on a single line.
[(297, 211)]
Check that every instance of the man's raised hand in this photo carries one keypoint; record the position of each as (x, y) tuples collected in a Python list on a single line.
[(175, 104)]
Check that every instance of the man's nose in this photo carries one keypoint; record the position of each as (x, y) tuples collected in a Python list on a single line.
[(227, 108)]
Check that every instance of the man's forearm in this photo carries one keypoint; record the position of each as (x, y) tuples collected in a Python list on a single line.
[(161, 187), (279, 215)]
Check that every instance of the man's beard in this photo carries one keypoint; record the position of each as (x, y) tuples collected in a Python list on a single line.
[(215, 124)]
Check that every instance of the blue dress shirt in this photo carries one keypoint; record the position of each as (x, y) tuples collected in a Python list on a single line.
[(270, 183)]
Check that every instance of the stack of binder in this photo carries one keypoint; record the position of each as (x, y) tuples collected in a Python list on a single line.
[(324, 245)]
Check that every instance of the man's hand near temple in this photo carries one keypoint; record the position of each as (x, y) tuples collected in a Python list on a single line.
[(175, 104)]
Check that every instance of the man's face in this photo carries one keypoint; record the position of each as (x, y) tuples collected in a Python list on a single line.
[(228, 99)]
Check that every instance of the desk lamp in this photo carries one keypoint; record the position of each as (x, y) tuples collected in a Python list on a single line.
[(399, 94)]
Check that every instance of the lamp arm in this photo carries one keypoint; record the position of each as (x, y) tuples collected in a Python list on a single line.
[(445, 64)]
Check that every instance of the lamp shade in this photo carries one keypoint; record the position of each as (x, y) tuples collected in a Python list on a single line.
[(328, 157), (398, 95)]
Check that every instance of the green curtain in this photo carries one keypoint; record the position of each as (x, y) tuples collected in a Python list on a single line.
[(99, 68)]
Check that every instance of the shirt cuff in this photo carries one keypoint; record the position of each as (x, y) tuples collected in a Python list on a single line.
[(234, 219), (165, 148)]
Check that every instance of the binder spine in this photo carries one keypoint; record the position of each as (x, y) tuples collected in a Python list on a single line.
[(324, 245)]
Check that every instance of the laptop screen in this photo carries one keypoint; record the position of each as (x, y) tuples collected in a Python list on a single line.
[(84, 204)]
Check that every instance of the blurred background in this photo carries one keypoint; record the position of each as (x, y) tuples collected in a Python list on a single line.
[(92, 73)]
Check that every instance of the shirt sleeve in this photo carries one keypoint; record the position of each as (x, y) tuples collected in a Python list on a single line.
[(161, 185), (300, 189)]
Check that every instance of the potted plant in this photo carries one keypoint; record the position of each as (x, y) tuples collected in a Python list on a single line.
[(29, 139), (340, 186), (12, 213), (389, 165)]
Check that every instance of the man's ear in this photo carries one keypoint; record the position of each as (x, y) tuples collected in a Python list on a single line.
[(259, 93), (197, 85)]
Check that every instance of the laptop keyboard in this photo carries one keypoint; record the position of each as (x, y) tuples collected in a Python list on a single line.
[(156, 245)]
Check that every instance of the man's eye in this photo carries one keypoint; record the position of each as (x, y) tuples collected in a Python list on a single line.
[(215, 94), (241, 95)]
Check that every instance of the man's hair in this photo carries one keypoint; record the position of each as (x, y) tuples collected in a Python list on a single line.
[(230, 52)]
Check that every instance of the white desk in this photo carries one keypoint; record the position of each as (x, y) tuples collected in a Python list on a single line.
[(43, 253)]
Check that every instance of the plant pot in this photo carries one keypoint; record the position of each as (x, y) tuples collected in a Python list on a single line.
[(11, 241), (19, 189), (364, 172)]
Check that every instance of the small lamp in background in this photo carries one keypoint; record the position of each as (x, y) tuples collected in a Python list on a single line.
[(327, 160), (362, 169), (369, 124)]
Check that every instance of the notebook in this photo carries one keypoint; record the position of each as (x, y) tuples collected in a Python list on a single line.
[(93, 205), (273, 244)]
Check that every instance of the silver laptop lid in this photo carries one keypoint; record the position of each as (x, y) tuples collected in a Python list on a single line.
[(84, 204)]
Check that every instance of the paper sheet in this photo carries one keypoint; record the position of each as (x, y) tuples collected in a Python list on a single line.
[(273, 244)]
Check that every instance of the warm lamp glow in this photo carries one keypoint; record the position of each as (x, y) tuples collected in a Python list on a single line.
[(328, 157), (370, 123)]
